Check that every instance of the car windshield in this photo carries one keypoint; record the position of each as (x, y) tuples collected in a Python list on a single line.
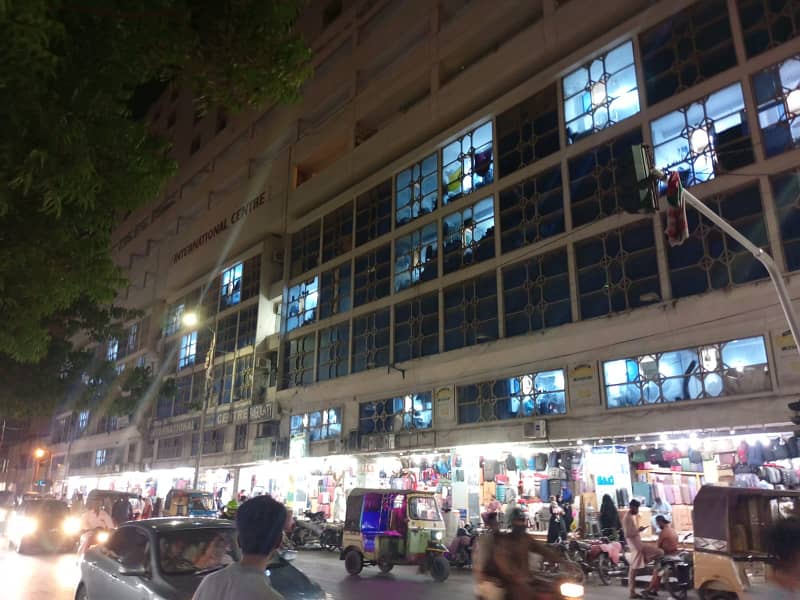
[(192, 551), (423, 508), (201, 503), (43, 508)]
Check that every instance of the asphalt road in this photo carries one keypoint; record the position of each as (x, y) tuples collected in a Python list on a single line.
[(55, 577)]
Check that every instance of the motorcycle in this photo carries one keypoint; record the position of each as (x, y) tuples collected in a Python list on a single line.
[(557, 587), (91, 538), (309, 530), (460, 551), (677, 572), (601, 556), (331, 538)]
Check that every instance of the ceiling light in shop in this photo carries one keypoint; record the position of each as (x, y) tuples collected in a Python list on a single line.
[(732, 432), (579, 442), (644, 446), (638, 438), (693, 435), (587, 448), (601, 441), (663, 437)]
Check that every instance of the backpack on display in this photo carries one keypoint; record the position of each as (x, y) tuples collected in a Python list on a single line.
[(489, 469), (780, 449), (767, 455), (511, 463), (541, 462)]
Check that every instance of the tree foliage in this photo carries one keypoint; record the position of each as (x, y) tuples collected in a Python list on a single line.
[(72, 159)]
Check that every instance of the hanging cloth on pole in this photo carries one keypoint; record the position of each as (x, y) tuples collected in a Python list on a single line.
[(677, 227)]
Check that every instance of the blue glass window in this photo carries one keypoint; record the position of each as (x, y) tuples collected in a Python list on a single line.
[(188, 350), (786, 191), (231, 289), (532, 394), (532, 210), (714, 370), (335, 293), (709, 259), (417, 190), (467, 163), (777, 92), (468, 235), (320, 425), (248, 321), (704, 138), (403, 413), (173, 320), (371, 341), (334, 352), (415, 257), (601, 93), (298, 368), (416, 328), (301, 303), (112, 349), (536, 293)]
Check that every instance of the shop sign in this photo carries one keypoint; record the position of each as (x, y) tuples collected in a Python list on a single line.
[(609, 450), (240, 415), (445, 409), (787, 357), (298, 446), (222, 418), (175, 428), (260, 412), (582, 384)]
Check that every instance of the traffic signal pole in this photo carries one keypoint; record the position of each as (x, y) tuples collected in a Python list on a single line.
[(764, 258)]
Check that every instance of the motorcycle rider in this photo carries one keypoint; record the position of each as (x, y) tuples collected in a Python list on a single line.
[(94, 518), (668, 542), (229, 510), (512, 557)]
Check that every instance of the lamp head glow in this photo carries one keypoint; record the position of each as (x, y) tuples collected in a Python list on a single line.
[(190, 319), (38, 453), (699, 140)]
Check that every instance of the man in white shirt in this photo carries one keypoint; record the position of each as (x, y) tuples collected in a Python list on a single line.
[(259, 523), (642, 553), (94, 518)]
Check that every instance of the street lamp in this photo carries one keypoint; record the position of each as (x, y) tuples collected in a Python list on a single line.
[(190, 320), (38, 455)]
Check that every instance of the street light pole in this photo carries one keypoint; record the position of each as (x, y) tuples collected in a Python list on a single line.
[(209, 364)]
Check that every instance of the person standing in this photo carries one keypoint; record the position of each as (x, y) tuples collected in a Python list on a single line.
[(661, 508), (556, 530), (609, 520), (147, 509), (259, 523), (642, 553)]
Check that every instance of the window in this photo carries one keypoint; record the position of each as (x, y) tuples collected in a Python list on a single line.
[(468, 235), (133, 338), (164, 407), (337, 232), (685, 49), (374, 213), (213, 441), (243, 384), (467, 163), (768, 23), (531, 210), (416, 328), (528, 131), (372, 275), (305, 250), (320, 425), (240, 437), (248, 321), (528, 395), (709, 259), (188, 350), (470, 312), (335, 292), (100, 457), (227, 382), (334, 348), (170, 447), (601, 93), (299, 364), (183, 394), (777, 91), (226, 334), (403, 413), (370, 341), (786, 191), (617, 270), (417, 190), (231, 290), (112, 350), (715, 370), (173, 322), (704, 138), (302, 304), (251, 277), (209, 298), (415, 257), (602, 180), (268, 429), (536, 293)]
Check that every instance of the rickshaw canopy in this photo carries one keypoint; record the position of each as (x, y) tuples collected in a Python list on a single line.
[(366, 509)]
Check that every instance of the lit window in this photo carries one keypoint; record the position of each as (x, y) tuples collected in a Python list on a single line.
[(100, 458), (231, 290), (415, 257), (721, 369), (541, 393), (467, 163), (403, 413), (601, 93), (302, 304), (320, 425), (188, 350), (468, 235), (113, 349), (83, 420), (777, 92), (335, 291), (417, 190), (133, 338), (174, 319), (704, 138)]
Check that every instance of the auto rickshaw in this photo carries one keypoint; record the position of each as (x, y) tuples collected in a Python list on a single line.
[(730, 554), (189, 503), (393, 527)]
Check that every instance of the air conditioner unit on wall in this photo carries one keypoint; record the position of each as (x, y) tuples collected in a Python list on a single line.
[(375, 443), (536, 430)]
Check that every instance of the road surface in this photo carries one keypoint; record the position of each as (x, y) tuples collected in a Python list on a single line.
[(54, 577)]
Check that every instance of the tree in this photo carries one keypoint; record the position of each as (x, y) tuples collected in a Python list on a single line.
[(72, 158)]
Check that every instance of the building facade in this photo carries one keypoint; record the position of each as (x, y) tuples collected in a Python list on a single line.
[(430, 251)]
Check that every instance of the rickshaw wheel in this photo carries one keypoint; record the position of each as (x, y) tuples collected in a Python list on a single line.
[(353, 562), (440, 568), (385, 566)]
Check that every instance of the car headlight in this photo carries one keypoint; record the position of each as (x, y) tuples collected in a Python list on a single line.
[(437, 535), (571, 590), (28, 525), (71, 526), (102, 537)]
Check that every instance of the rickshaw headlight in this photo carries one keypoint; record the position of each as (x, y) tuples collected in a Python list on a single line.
[(71, 526), (571, 590), (437, 535), (102, 537)]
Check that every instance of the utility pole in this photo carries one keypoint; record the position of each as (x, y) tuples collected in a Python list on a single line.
[(209, 366)]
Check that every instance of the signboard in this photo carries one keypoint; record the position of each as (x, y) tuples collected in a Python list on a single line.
[(583, 385), (787, 358), (444, 401), (298, 446), (176, 428), (611, 469), (260, 412)]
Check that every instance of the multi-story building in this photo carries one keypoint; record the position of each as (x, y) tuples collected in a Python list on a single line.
[(429, 252)]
